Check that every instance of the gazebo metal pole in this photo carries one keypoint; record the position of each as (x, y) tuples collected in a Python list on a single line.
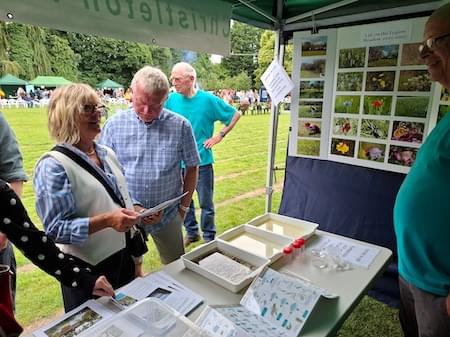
[(278, 55)]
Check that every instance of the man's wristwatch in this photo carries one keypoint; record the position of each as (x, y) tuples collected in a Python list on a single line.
[(184, 208), (222, 134)]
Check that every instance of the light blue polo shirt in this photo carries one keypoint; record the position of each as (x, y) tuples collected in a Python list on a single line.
[(202, 110), (422, 215)]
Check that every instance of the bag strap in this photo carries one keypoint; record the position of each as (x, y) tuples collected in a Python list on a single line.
[(89, 168)]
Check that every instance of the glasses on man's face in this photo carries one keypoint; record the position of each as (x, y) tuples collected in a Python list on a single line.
[(91, 109), (431, 43)]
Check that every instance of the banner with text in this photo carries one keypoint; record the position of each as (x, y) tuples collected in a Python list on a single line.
[(193, 25)]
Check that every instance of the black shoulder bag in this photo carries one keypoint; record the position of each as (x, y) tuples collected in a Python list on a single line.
[(136, 241)]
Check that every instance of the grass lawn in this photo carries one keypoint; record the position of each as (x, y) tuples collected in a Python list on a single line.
[(240, 169)]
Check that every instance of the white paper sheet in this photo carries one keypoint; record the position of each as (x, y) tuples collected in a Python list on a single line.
[(165, 288), (354, 253), (161, 206)]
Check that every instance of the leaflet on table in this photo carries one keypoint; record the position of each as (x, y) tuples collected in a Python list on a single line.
[(162, 286), (161, 206), (354, 253), (274, 305), (76, 321)]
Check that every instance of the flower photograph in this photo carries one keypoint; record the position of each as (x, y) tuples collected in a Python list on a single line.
[(380, 80), (352, 57), (412, 106), (372, 151), (347, 104), (401, 155), (410, 55), (349, 81), (310, 109), (443, 110), (345, 126), (377, 105), (374, 128), (383, 56), (308, 147), (445, 95), (315, 46), (414, 80), (311, 89), (343, 147), (309, 129), (312, 68), (408, 131)]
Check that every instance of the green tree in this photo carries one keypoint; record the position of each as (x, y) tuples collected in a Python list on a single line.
[(239, 82), (244, 44), (63, 61), (20, 50), (6, 65), (265, 55)]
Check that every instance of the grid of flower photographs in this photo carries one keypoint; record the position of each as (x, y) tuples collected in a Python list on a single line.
[(381, 105), (444, 104), (312, 75)]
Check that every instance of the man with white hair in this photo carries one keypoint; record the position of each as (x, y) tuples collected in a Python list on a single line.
[(202, 109), (151, 143), (422, 212)]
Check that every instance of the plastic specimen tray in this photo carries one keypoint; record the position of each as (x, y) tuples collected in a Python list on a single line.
[(147, 318), (256, 241), (254, 262), (283, 225)]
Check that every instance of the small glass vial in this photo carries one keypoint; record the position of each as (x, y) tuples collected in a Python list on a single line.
[(288, 253)]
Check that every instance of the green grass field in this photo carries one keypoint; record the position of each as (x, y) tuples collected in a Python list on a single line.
[(240, 171)]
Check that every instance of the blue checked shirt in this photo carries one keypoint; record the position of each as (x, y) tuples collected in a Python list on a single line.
[(151, 155), (55, 203)]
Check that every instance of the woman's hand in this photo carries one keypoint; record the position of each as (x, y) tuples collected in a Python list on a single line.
[(102, 287), (123, 219)]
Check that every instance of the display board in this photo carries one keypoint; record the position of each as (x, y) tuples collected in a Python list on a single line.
[(363, 95)]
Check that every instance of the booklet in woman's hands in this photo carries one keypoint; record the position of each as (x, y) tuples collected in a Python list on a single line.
[(161, 206)]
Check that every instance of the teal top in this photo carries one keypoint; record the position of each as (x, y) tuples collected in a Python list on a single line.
[(422, 215), (202, 110)]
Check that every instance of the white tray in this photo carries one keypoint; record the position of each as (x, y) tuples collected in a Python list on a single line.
[(283, 225), (256, 241), (257, 262)]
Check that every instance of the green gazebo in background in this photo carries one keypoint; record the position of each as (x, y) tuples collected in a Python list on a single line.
[(9, 84), (49, 81), (108, 84)]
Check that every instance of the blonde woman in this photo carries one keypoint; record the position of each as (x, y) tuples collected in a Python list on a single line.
[(75, 207)]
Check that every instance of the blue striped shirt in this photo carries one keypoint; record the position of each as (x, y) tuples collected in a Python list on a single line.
[(55, 202), (151, 155)]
